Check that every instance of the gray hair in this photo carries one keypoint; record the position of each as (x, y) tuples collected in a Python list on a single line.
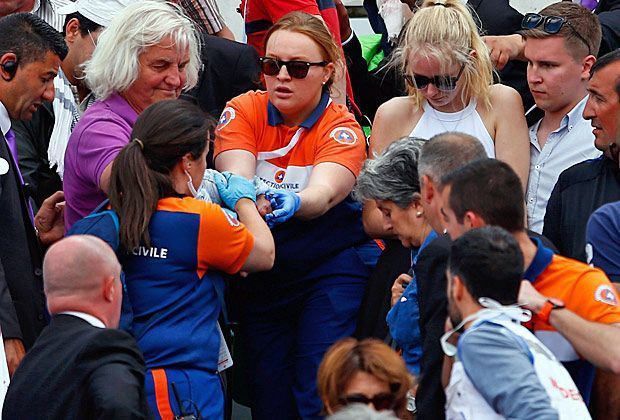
[(446, 152), (360, 411), (393, 175), (114, 65)]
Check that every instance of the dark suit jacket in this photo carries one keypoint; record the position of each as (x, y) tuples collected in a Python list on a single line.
[(229, 69), (431, 277), (22, 303), (33, 140), (77, 371)]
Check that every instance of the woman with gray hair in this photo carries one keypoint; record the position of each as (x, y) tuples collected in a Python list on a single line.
[(148, 53), (391, 180)]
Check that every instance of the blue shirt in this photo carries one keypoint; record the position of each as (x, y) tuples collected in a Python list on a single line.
[(500, 368), (403, 319), (602, 246)]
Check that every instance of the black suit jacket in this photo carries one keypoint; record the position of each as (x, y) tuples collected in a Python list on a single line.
[(33, 140), (432, 298), (77, 371), (229, 69), (22, 303)]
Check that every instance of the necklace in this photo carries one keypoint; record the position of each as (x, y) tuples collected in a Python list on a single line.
[(463, 113)]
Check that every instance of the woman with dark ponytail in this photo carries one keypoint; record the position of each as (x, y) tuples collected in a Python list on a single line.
[(170, 242)]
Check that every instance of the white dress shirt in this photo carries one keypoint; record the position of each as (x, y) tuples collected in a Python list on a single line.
[(94, 321), (571, 143)]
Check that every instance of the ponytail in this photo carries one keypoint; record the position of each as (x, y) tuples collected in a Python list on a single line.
[(163, 134)]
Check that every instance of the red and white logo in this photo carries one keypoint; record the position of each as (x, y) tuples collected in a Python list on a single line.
[(605, 294), (279, 176), (344, 135), (227, 116)]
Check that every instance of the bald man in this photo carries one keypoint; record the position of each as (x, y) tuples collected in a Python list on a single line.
[(81, 366)]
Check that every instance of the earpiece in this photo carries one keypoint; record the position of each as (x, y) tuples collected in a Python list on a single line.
[(11, 68)]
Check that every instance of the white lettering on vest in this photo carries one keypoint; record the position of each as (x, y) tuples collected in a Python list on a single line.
[(152, 252)]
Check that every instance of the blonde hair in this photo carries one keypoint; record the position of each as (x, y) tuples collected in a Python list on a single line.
[(115, 64), (444, 30), (312, 27), (349, 356)]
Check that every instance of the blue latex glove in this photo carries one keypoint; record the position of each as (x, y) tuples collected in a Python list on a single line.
[(284, 205), (233, 187)]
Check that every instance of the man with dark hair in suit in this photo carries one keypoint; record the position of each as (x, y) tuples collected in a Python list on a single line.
[(81, 366), (30, 55)]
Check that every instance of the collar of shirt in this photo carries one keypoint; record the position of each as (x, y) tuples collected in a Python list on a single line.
[(36, 6), (274, 117), (122, 108), (541, 261), (5, 120), (570, 120), (94, 321), (429, 238)]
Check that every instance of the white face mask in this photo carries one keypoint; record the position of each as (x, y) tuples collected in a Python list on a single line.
[(190, 185), (492, 310)]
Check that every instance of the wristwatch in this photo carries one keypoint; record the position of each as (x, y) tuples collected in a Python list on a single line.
[(549, 306)]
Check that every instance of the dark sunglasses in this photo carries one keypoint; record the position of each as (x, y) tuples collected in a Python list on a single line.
[(550, 24), (440, 82), (295, 68), (380, 401)]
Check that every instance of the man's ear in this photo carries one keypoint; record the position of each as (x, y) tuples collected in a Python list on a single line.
[(72, 30), (8, 66), (458, 288), (587, 64), (429, 189), (473, 220), (108, 289)]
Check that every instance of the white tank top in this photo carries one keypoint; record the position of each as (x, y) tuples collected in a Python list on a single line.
[(466, 121), (464, 402)]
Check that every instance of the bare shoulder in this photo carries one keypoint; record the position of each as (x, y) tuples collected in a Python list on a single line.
[(394, 119), (505, 96)]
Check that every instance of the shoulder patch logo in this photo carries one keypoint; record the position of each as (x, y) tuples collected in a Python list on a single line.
[(606, 294), (227, 116), (344, 135)]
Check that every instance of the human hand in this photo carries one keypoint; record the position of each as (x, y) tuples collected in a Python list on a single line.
[(50, 219), (530, 298), (233, 187), (263, 205), (15, 352), (343, 20), (284, 204), (399, 286), (504, 48)]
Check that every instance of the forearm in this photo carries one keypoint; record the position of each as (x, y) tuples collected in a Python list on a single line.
[(592, 340), (263, 253), (316, 200)]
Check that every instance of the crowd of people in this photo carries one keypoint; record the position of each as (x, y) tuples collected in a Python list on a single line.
[(174, 203)]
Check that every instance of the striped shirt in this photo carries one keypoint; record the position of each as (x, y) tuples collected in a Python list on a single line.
[(46, 10), (204, 13)]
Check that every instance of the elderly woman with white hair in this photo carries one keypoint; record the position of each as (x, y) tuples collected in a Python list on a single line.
[(148, 53)]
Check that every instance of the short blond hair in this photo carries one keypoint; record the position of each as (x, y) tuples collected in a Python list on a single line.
[(445, 30)]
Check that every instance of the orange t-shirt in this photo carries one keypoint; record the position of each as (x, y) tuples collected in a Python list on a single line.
[(286, 155)]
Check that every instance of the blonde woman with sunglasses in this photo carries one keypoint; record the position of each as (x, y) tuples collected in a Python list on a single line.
[(308, 150), (449, 77)]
